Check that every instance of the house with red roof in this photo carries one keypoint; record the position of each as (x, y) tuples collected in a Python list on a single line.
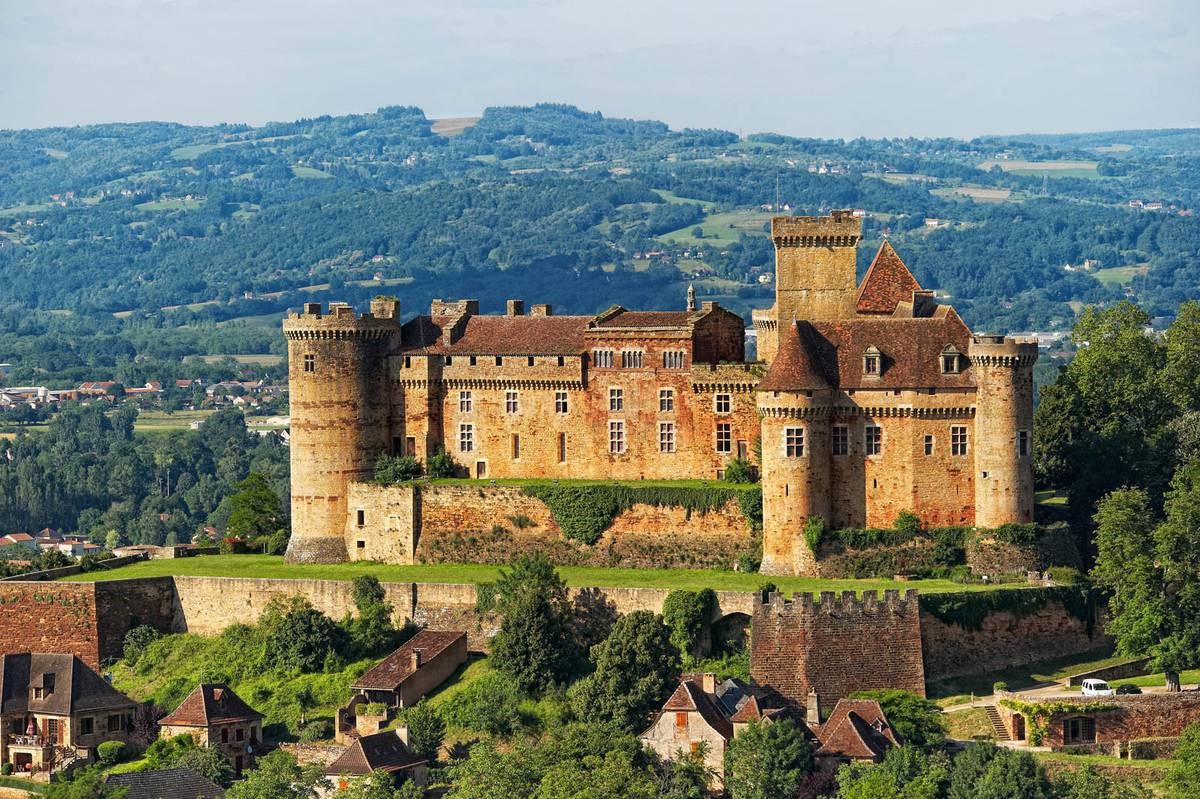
[(215, 716), (386, 751), (423, 663)]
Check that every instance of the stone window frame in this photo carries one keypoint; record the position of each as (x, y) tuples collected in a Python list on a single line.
[(872, 360), (793, 442), (1024, 444), (562, 447), (632, 359), (512, 401), (930, 443), (87, 725), (616, 399), (466, 402), (960, 441), (310, 362), (674, 359), (950, 360), (516, 446), (873, 439), (666, 437), (842, 432), (724, 438), (1085, 724), (666, 400), (617, 444), (602, 358), (466, 437), (723, 403), (561, 402)]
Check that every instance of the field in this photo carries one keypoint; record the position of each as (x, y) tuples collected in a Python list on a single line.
[(270, 566), (162, 422), (177, 204), (310, 172), (721, 229), (977, 193), (1054, 169), (1120, 275), (264, 359), (452, 126), (676, 199)]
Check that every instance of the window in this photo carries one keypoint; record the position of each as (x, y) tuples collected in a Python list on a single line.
[(117, 722), (681, 721), (224, 735), (410, 445), (560, 402), (928, 445), (1080, 730), (529, 361), (86, 725), (466, 437), (724, 437), (666, 400), (240, 734), (674, 359), (499, 360), (516, 447), (874, 439), (793, 442), (407, 361), (562, 447), (602, 358), (310, 363), (511, 405), (721, 403), (958, 440), (361, 517), (616, 437), (1023, 443), (841, 439), (562, 361), (464, 402), (446, 359), (472, 360), (951, 361), (666, 436), (616, 399), (871, 362), (361, 544), (631, 359)]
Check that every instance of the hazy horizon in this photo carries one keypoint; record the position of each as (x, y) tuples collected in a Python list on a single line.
[(880, 70)]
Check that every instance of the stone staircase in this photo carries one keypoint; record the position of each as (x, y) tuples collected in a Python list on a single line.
[(997, 724)]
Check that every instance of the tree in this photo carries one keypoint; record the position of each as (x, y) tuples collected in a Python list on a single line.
[(984, 771), (1155, 604), (636, 668), (441, 464), (392, 469), (372, 630), (905, 773), (917, 721), (767, 760), (136, 641), (87, 784), (255, 509), (687, 613), (205, 760), (426, 730), (487, 774), (534, 644), (1182, 375), (1088, 783), (277, 776), (376, 785), (299, 638), (1183, 778)]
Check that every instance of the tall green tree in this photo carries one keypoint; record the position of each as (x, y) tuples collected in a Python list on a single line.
[(371, 631), (687, 613), (426, 730), (767, 760), (256, 509), (1183, 778), (278, 776), (636, 669), (535, 643), (1183, 357)]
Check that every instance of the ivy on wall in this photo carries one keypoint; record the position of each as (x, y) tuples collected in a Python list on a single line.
[(969, 609), (1037, 714), (584, 512)]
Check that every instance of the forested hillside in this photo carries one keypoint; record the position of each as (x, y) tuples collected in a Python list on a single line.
[(554, 204)]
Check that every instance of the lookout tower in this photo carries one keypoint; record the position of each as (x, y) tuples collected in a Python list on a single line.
[(341, 416)]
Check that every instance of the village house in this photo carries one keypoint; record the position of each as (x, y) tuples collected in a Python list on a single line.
[(24, 540), (423, 663), (167, 783), (856, 730), (385, 751), (1104, 724), (55, 710), (215, 716)]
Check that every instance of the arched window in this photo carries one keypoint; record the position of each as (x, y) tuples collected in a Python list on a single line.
[(950, 360), (872, 362)]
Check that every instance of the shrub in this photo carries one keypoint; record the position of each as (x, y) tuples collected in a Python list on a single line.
[(318, 730), (490, 704), (907, 523), (373, 709), (1064, 575), (110, 752), (392, 469), (739, 470), (6, 769), (998, 686), (814, 531), (521, 521), (440, 464), (136, 641), (276, 543)]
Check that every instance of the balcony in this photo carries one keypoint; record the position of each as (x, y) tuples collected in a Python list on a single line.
[(28, 741)]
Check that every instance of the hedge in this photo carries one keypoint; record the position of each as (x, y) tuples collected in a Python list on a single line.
[(969, 609), (584, 512)]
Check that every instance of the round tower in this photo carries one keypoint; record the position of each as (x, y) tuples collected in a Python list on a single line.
[(1003, 447), (795, 481), (340, 408)]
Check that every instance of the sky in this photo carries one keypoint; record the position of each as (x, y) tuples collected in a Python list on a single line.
[(840, 68)]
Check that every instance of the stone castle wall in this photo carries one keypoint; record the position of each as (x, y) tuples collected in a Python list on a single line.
[(495, 523), (1122, 719)]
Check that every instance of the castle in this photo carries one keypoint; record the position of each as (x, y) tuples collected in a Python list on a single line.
[(868, 399)]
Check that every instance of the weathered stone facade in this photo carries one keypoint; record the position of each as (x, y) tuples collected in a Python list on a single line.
[(1107, 721), (875, 400)]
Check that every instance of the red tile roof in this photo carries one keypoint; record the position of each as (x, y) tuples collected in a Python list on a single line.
[(497, 335), (886, 284), (210, 703), (857, 729), (618, 317), (383, 751), (690, 697), (397, 667), (795, 366)]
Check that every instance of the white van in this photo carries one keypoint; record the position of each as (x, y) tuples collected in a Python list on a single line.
[(1092, 687)]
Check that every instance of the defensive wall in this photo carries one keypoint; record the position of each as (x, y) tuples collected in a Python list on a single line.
[(1116, 720), (831, 643), (492, 523)]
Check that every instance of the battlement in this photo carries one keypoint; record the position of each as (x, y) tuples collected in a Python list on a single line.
[(341, 322), (998, 350), (839, 229), (832, 603)]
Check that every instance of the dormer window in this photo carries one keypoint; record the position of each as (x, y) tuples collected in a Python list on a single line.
[(951, 360), (872, 362)]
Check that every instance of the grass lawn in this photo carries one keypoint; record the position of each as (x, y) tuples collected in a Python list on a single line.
[(310, 172), (177, 204), (525, 481), (1050, 496), (977, 193), (271, 566), (23, 785), (966, 725), (673, 198), (263, 359), (1054, 169), (1120, 275), (161, 421), (720, 229), (958, 690)]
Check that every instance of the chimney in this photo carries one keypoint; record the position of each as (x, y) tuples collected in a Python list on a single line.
[(541, 309), (402, 734), (416, 659), (812, 711), (515, 308), (708, 682)]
